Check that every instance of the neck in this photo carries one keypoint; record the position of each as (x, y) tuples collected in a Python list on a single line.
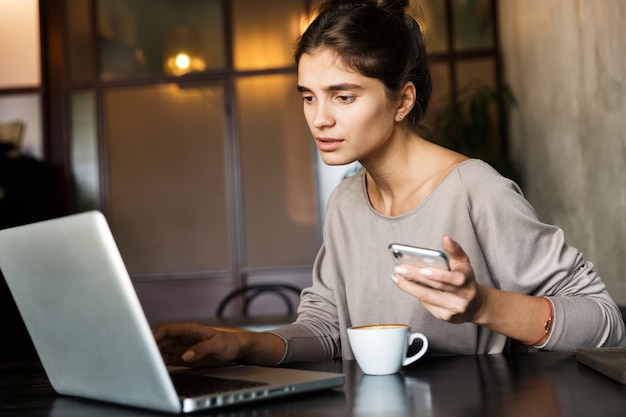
[(408, 176)]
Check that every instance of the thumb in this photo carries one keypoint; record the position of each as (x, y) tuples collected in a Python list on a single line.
[(457, 254), (188, 356)]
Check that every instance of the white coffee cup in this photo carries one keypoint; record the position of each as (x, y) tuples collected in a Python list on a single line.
[(381, 349)]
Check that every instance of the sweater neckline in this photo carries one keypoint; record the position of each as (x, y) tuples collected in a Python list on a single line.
[(424, 202)]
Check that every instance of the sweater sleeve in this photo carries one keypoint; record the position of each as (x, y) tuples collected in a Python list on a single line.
[(527, 256), (315, 334)]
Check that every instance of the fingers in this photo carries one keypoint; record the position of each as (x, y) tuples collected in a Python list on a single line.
[(444, 305), (191, 343), (184, 331), (422, 281), (433, 278), (452, 296), (451, 246), (221, 347), (458, 257), (173, 337)]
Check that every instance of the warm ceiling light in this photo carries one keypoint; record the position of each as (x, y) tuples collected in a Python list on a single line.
[(183, 61), (183, 51)]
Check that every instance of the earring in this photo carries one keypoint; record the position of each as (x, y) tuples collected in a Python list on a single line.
[(400, 116)]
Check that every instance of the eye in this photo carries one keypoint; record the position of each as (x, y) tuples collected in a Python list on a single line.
[(307, 98), (346, 99)]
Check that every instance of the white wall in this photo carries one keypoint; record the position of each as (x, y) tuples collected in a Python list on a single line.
[(565, 62)]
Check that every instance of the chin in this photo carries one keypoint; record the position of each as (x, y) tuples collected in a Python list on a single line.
[(333, 160)]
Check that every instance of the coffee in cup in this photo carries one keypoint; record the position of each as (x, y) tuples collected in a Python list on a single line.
[(381, 349)]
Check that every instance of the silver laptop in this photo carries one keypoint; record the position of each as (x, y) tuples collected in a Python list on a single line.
[(73, 291)]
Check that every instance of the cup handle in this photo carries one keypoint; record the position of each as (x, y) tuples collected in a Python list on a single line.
[(412, 337)]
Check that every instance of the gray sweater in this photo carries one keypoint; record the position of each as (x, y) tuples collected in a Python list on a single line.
[(509, 249)]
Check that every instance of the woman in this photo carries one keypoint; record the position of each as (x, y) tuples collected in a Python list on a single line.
[(365, 85)]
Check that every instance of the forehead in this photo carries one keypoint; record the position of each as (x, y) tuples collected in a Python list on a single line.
[(325, 67)]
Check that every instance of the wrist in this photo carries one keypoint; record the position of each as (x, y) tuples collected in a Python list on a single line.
[(547, 327), (482, 316), (259, 348), (244, 345)]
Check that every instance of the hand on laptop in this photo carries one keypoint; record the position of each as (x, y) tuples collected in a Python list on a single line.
[(186, 344), (192, 344)]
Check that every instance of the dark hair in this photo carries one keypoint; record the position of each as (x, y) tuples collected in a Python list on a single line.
[(377, 39)]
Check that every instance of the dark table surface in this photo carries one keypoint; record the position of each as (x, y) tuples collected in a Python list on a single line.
[(530, 384)]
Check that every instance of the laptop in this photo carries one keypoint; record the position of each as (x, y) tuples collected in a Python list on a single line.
[(80, 308)]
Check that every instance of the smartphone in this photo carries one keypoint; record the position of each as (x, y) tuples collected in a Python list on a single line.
[(411, 255)]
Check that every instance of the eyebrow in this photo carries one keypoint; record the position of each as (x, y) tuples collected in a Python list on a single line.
[(337, 87)]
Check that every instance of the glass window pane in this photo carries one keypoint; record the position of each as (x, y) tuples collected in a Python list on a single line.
[(277, 160), (27, 109), (19, 44), (166, 177), (139, 37), (442, 89), (431, 16), (476, 72), (84, 152), (265, 32), (80, 40), (473, 77), (473, 24)]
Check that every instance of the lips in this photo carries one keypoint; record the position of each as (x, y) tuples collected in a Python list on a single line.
[(328, 144)]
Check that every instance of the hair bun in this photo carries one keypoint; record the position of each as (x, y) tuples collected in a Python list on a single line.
[(396, 6), (393, 6)]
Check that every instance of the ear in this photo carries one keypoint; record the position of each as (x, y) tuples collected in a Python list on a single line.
[(406, 100)]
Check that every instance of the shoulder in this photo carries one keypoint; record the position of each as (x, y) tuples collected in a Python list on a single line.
[(485, 190), (478, 177), (350, 190), (477, 170)]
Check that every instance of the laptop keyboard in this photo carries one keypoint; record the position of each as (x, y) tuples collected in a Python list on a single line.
[(193, 385)]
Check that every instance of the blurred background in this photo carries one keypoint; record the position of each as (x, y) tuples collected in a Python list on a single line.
[(179, 120)]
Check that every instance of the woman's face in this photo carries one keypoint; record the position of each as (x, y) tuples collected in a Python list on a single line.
[(349, 115)]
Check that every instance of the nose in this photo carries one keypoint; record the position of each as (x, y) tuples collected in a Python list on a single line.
[(322, 116)]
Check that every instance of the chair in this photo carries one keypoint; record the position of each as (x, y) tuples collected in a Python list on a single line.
[(250, 292)]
